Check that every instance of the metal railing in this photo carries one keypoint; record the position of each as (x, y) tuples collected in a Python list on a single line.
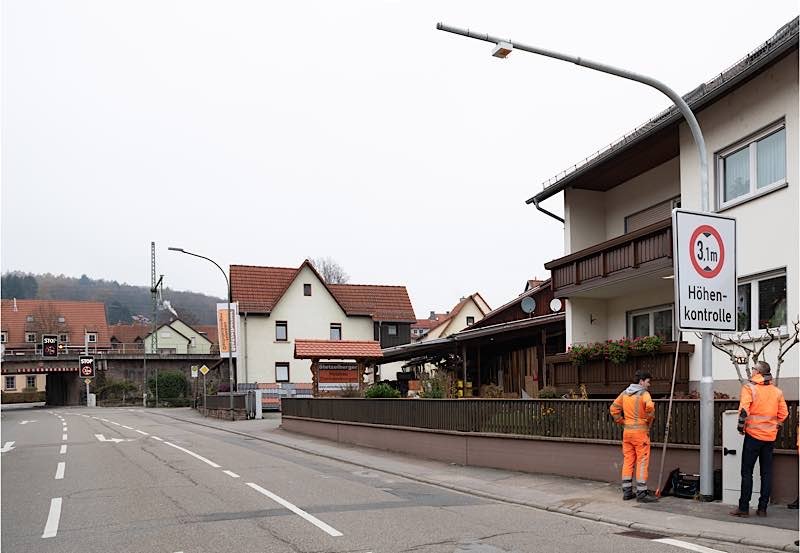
[(578, 419)]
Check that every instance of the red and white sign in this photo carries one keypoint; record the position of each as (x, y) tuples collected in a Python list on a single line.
[(704, 247)]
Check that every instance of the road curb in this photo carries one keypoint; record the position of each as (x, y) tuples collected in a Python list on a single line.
[(503, 499)]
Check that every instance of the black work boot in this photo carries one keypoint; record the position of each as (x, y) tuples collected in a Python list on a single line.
[(792, 505), (646, 497), (628, 494)]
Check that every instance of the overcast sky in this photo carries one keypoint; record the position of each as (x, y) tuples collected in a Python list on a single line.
[(263, 133)]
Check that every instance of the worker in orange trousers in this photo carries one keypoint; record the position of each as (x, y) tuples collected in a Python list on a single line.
[(635, 410)]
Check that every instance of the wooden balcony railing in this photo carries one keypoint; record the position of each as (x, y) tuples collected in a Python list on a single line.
[(647, 249), (601, 376)]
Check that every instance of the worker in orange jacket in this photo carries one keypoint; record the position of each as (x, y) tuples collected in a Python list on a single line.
[(635, 410), (762, 411)]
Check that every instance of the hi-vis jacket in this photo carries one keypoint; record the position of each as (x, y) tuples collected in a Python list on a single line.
[(762, 408), (634, 408)]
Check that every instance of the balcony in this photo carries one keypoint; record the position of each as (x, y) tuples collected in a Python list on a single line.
[(644, 252)]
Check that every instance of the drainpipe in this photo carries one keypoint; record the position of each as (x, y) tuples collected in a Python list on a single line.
[(244, 335), (543, 210)]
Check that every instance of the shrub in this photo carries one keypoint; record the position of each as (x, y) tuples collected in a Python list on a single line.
[(548, 392), (648, 344), (616, 351), (116, 389), (171, 385), (381, 391), (435, 386), (491, 391), (350, 390)]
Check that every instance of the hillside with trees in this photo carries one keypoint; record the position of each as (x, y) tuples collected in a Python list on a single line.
[(123, 301)]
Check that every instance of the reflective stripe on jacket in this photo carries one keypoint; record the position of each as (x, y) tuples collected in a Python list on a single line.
[(765, 409), (633, 411)]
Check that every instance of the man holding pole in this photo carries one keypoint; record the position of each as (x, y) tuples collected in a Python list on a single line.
[(635, 410)]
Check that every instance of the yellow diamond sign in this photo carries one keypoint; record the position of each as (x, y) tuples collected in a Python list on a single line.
[(204, 370)]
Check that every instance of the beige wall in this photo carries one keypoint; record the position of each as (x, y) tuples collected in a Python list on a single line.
[(21, 380), (308, 317), (585, 220), (767, 227), (586, 320), (618, 308)]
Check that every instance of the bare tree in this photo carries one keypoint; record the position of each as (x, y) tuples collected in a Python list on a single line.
[(743, 347), (47, 320), (330, 270)]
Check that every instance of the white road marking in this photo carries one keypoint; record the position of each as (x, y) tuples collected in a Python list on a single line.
[(118, 424), (102, 438), (128, 427), (297, 510), (157, 438), (193, 454), (687, 545), (63, 449), (60, 470), (95, 418), (104, 420), (145, 433), (64, 437), (26, 421), (7, 447), (51, 527), (231, 474)]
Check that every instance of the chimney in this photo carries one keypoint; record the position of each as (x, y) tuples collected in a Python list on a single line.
[(432, 316)]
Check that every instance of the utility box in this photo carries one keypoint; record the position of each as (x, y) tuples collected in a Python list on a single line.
[(732, 443), (91, 400)]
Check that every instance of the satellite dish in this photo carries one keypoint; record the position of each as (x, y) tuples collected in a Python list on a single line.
[(555, 305), (528, 304)]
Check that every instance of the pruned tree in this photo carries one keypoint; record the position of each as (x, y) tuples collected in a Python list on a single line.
[(743, 347), (47, 320), (330, 270)]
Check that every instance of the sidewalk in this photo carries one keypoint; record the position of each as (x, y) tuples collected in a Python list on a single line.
[(582, 498)]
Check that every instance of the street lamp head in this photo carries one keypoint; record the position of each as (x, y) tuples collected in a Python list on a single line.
[(175, 249), (502, 50)]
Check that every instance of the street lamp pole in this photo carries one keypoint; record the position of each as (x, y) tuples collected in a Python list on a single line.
[(230, 319), (503, 48)]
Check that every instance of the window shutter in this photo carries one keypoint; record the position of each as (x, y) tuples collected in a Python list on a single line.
[(651, 215)]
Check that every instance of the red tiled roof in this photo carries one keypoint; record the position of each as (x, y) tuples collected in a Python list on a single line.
[(79, 317), (336, 349), (129, 333), (258, 289), (210, 332), (382, 303), (428, 323)]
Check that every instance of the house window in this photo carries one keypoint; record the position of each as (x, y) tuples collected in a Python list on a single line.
[(3, 337), (281, 331), (11, 383), (30, 337), (29, 318), (336, 331), (281, 372), (653, 321), (761, 302), (470, 321), (91, 337), (752, 167), (306, 289), (63, 338), (391, 330), (30, 382), (61, 319), (193, 341)]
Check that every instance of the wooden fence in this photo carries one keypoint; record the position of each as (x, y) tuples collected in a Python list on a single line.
[(580, 419)]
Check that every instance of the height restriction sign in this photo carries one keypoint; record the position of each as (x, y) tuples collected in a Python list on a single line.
[(704, 247)]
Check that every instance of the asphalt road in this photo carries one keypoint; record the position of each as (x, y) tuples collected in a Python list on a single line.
[(140, 482)]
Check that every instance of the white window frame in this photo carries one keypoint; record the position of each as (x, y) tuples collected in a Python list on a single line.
[(3, 337), (91, 337), (63, 338), (333, 327), (753, 281), (650, 311), (390, 328), (30, 337), (285, 325), (5, 383), (750, 143), (27, 377), (288, 371), (470, 323)]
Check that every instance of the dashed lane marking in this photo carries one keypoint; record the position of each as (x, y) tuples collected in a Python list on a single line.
[(51, 527), (64, 437), (60, 470), (193, 454), (63, 449), (297, 510), (157, 438), (128, 427), (141, 432), (687, 545), (231, 473)]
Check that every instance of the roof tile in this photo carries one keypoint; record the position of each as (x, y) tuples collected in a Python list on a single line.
[(337, 349)]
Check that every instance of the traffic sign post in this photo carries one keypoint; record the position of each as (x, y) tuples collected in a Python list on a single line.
[(50, 345), (86, 371), (204, 370), (704, 247)]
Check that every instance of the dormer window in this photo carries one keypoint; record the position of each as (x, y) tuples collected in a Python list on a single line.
[(29, 318), (30, 337), (91, 337), (3, 337), (62, 320)]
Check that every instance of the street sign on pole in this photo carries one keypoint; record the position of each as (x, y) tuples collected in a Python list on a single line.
[(204, 370), (87, 381), (50, 345), (704, 257), (86, 364), (194, 371)]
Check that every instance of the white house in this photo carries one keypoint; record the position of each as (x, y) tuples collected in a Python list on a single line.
[(179, 338), (617, 270), (278, 305), (466, 312)]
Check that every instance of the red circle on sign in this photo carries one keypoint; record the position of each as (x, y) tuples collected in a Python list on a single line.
[(702, 229)]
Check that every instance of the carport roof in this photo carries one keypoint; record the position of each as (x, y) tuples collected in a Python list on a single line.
[(336, 349)]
